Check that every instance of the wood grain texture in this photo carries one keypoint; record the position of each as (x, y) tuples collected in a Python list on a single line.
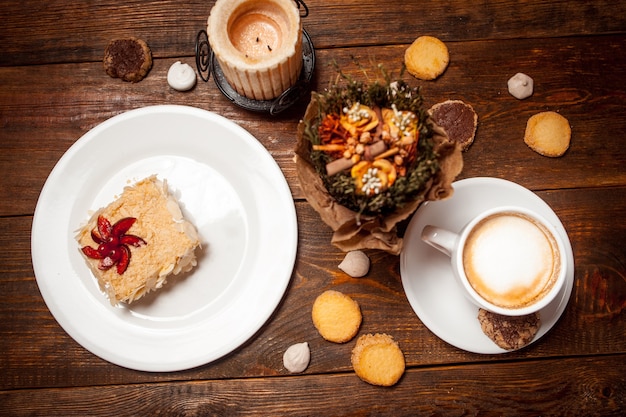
[(32, 33), (578, 386), (592, 323), (53, 90), (42, 119)]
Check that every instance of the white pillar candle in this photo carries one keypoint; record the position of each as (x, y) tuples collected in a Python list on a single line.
[(258, 45)]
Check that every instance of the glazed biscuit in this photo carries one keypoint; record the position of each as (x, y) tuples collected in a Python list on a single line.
[(427, 58), (127, 58), (548, 133), (336, 316), (509, 332), (378, 360), (458, 119)]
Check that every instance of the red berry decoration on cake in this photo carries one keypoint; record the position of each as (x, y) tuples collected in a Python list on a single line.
[(113, 243)]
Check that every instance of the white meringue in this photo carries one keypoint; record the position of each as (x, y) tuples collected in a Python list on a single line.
[(181, 76), (520, 86), (355, 263), (297, 357)]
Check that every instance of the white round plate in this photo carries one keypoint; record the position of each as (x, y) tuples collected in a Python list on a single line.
[(427, 273), (228, 186)]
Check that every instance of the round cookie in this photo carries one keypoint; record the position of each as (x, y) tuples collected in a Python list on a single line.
[(509, 332), (426, 58), (336, 316), (378, 360), (458, 119), (548, 133), (127, 58)]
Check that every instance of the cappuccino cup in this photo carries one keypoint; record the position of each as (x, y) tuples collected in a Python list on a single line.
[(508, 260)]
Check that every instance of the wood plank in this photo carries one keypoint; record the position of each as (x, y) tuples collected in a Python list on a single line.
[(53, 89), (170, 27), (574, 386), (38, 353), (582, 78)]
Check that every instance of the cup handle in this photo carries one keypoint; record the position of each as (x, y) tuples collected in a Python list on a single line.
[(441, 239)]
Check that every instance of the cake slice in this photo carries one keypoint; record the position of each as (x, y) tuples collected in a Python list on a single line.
[(137, 241)]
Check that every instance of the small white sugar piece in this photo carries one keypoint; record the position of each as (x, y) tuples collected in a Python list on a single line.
[(355, 263), (297, 357), (181, 76), (520, 86)]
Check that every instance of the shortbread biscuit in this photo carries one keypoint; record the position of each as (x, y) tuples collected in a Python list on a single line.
[(127, 58), (427, 58), (336, 316), (509, 332), (458, 119), (378, 360), (548, 133)]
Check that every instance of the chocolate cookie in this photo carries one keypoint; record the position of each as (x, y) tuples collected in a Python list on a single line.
[(127, 58), (509, 332), (458, 119)]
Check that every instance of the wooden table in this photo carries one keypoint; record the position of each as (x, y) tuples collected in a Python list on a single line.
[(53, 89)]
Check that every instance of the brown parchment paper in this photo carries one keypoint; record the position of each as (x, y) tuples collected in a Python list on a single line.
[(371, 232)]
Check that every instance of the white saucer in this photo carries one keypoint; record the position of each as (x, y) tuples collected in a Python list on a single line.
[(427, 274)]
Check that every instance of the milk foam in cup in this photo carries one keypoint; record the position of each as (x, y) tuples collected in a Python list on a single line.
[(508, 260)]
